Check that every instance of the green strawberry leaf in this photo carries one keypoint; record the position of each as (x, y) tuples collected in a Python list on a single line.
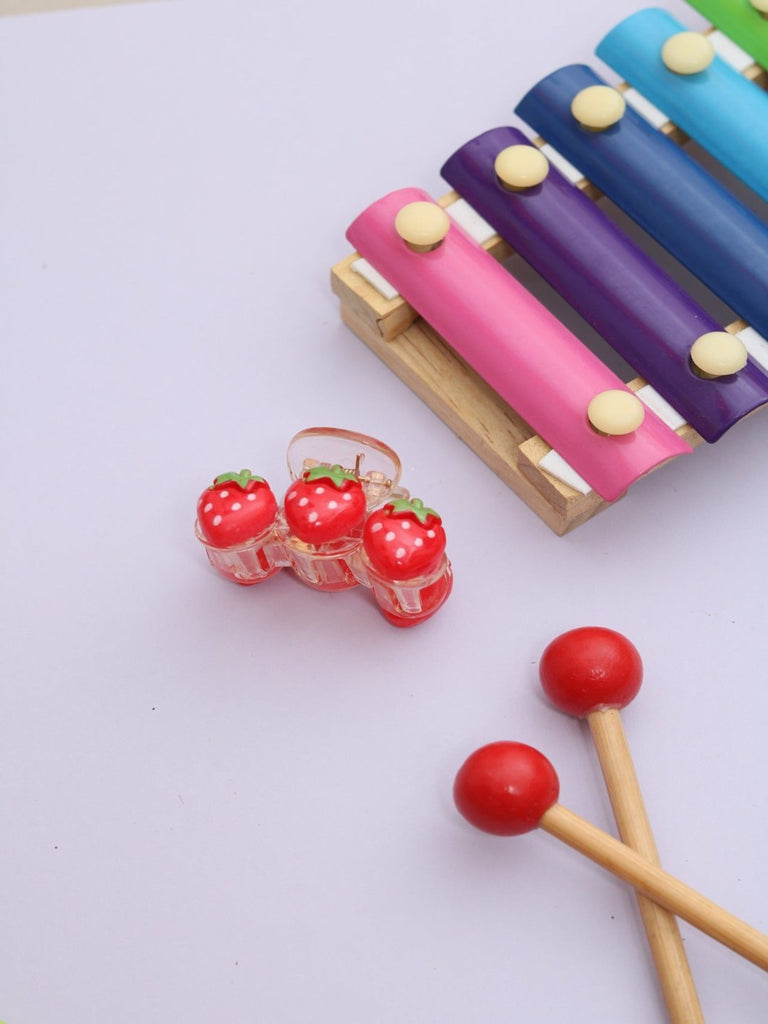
[(336, 474), (242, 479), (415, 506)]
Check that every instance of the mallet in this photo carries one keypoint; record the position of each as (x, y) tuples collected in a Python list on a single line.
[(592, 673), (508, 788)]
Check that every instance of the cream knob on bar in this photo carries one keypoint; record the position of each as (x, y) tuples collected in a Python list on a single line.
[(615, 412), (687, 53), (422, 225), (717, 354), (598, 107), (760, 5), (521, 167)]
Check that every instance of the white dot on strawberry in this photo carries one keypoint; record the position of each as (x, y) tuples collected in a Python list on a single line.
[(390, 536), (291, 496), (431, 533), (333, 504), (405, 525), (224, 494), (400, 553), (347, 496), (376, 527), (312, 517), (208, 507), (418, 542), (319, 490), (216, 520), (236, 506), (251, 497), (303, 501)]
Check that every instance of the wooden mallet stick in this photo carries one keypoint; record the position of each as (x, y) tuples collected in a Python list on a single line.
[(591, 673), (508, 788)]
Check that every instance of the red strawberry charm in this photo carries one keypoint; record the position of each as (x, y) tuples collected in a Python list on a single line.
[(324, 512), (404, 539), (235, 521), (404, 548), (326, 503), (235, 509)]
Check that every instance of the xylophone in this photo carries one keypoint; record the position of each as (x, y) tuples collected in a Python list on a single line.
[(428, 291)]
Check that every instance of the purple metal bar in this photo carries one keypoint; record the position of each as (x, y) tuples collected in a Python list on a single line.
[(639, 310)]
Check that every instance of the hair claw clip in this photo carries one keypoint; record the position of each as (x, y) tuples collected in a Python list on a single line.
[(344, 521)]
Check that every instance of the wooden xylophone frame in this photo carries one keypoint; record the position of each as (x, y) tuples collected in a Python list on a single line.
[(410, 347)]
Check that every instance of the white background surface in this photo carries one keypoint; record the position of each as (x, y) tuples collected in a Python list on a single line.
[(234, 805)]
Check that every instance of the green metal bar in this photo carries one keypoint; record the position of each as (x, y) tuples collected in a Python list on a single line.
[(741, 22)]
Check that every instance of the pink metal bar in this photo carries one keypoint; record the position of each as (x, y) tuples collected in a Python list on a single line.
[(529, 358)]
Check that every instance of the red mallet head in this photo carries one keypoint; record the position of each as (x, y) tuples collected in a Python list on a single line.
[(590, 669), (505, 788)]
